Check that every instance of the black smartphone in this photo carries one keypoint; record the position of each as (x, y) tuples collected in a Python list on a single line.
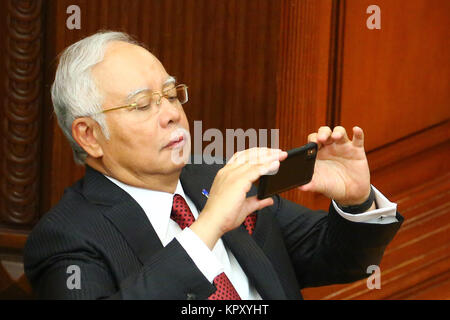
[(296, 170)]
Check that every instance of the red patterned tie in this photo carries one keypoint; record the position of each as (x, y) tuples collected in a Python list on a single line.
[(182, 215), (250, 223)]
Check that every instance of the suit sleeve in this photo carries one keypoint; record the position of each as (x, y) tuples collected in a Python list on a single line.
[(328, 249), (51, 250)]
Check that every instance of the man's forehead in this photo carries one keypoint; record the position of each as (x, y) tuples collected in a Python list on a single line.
[(119, 48), (128, 68)]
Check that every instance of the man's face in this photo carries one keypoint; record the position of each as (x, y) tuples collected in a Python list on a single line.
[(139, 139)]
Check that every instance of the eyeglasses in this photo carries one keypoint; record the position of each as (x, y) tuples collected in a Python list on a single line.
[(153, 99)]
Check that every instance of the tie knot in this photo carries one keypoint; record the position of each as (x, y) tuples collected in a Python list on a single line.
[(181, 213)]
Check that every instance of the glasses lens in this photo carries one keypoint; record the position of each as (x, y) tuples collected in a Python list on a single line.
[(182, 94), (144, 101), (179, 93)]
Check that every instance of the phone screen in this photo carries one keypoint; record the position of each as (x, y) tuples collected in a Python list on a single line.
[(296, 170)]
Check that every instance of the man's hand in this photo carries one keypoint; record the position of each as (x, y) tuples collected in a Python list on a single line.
[(341, 171), (227, 205)]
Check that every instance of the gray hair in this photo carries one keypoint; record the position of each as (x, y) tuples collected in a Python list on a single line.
[(74, 92)]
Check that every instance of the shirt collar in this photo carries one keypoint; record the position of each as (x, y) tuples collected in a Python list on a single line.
[(157, 205)]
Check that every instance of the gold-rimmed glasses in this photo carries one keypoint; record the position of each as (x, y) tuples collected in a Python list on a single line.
[(150, 100)]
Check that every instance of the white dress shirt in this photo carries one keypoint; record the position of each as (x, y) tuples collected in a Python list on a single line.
[(157, 206)]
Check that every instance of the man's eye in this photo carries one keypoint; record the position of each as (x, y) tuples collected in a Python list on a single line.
[(143, 103), (143, 107)]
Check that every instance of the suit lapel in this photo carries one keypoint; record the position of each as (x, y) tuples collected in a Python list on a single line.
[(255, 264), (131, 221), (193, 183), (124, 213)]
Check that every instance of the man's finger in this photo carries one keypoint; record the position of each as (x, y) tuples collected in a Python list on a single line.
[(253, 155), (313, 138), (306, 187), (324, 135), (358, 137), (234, 157), (250, 172), (340, 135)]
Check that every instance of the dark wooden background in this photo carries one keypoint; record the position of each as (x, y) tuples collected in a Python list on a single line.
[(289, 64)]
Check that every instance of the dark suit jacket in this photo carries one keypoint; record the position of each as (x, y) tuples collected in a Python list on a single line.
[(101, 229)]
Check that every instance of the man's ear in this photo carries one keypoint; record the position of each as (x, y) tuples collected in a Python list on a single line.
[(87, 133)]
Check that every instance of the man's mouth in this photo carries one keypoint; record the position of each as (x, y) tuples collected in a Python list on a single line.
[(177, 142)]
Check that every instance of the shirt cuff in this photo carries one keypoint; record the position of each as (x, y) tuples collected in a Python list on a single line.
[(385, 213), (204, 259)]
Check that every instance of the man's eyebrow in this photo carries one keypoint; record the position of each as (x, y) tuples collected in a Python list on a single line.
[(136, 92), (168, 81)]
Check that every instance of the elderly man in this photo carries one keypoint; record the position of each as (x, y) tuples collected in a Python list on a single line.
[(138, 225)]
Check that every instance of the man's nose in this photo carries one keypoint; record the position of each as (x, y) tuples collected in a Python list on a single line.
[(168, 113)]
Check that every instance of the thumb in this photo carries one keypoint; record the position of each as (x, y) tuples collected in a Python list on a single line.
[(307, 187), (253, 204)]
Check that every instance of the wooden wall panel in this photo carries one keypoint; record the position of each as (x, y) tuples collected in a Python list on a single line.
[(21, 65), (395, 81), (21, 112), (302, 78)]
